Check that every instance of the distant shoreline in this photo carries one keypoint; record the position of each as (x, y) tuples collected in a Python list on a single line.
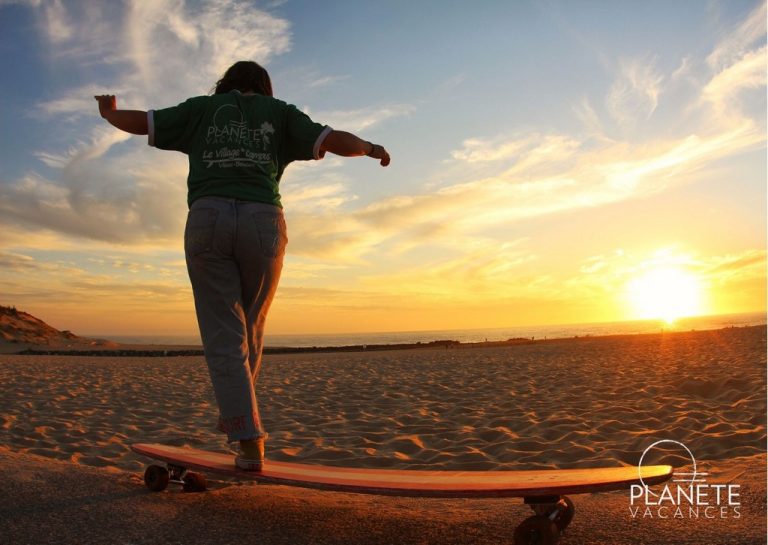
[(128, 350)]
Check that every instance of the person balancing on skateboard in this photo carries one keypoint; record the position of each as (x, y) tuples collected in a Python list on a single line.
[(239, 140)]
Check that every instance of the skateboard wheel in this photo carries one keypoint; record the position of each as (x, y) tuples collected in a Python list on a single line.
[(156, 478), (194, 482), (537, 530), (565, 517)]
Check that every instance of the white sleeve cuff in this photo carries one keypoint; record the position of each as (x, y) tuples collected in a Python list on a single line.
[(319, 142), (151, 127)]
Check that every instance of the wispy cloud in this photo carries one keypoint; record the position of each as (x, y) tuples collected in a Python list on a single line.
[(58, 28), (317, 195), (169, 36), (76, 101), (747, 72), (589, 118), (323, 81), (81, 31), (16, 262), (634, 95), (131, 199), (740, 40), (483, 270), (476, 150), (362, 118), (103, 138), (750, 264)]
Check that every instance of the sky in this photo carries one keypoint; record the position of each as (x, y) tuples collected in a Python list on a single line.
[(552, 162)]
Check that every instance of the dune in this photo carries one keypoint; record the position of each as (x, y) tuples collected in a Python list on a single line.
[(20, 330)]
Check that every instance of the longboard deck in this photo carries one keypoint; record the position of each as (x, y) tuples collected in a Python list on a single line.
[(397, 482)]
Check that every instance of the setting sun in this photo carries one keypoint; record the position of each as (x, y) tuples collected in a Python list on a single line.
[(665, 294)]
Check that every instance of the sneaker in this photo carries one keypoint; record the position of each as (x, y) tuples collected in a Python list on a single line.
[(252, 454), (247, 464)]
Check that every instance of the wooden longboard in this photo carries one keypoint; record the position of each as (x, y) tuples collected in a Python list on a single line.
[(398, 482)]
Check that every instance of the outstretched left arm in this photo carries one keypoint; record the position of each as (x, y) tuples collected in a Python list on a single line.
[(132, 121)]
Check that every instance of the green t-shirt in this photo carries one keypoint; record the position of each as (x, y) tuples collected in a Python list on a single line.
[(238, 145)]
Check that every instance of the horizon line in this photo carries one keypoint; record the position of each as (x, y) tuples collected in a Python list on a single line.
[(660, 321)]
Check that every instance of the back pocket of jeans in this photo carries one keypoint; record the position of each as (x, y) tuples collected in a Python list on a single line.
[(272, 233), (198, 234)]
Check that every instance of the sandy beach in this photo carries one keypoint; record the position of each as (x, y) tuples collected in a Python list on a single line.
[(66, 423)]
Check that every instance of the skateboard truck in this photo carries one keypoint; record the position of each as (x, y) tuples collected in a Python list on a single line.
[(157, 477), (552, 515)]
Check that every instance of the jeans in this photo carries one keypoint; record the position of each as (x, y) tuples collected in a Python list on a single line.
[(234, 251)]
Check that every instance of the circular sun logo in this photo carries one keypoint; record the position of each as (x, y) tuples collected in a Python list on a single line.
[(693, 474)]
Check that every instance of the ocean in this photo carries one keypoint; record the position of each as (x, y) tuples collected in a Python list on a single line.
[(474, 335)]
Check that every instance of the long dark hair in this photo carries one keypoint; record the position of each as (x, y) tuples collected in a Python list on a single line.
[(245, 76)]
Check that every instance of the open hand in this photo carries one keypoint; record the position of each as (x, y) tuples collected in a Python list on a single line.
[(107, 103)]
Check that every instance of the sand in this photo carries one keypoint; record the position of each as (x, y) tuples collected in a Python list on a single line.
[(66, 423)]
